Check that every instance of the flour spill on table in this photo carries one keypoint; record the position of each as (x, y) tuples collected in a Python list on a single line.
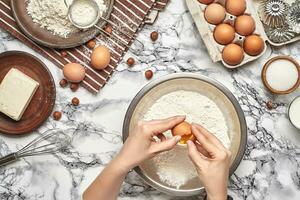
[(53, 15), (174, 167)]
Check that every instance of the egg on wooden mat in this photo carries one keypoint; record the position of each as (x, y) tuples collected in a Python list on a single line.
[(214, 13), (100, 57), (244, 25), (184, 130), (74, 72), (235, 7), (253, 45), (233, 54), (224, 34), (205, 1)]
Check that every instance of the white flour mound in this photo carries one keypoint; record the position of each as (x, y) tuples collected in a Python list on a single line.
[(174, 167), (53, 15)]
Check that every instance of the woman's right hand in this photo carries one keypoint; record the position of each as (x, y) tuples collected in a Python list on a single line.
[(212, 162)]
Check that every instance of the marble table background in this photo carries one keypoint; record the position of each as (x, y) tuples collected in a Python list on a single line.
[(271, 165)]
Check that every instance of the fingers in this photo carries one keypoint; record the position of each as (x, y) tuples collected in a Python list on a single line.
[(160, 126), (165, 145), (205, 142), (201, 149), (209, 136), (194, 154), (162, 137)]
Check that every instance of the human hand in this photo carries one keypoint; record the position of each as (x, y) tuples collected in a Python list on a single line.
[(141, 145), (212, 162)]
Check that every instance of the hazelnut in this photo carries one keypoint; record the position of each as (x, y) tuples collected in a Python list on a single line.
[(154, 36), (57, 115), (63, 53), (91, 44), (269, 105), (74, 87), (75, 101), (130, 61), (108, 29), (148, 74), (63, 83)]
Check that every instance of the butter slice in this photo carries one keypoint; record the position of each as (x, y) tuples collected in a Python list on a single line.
[(16, 92)]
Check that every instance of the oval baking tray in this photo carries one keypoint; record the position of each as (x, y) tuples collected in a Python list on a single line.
[(43, 100), (225, 100), (47, 38)]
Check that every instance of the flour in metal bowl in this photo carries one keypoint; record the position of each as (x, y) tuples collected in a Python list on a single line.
[(174, 167)]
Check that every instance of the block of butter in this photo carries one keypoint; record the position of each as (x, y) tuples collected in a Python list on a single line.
[(16, 92)]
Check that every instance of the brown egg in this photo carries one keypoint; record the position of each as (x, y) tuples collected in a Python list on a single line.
[(233, 54), (253, 45), (100, 57), (184, 130), (244, 25), (205, 1), (224, 34), (214, 13), (74, 72), (235, 7)]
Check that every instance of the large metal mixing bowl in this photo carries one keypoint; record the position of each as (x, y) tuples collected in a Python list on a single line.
[(237, 128)]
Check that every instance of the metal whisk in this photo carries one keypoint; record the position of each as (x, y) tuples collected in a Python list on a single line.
[(49, 142)]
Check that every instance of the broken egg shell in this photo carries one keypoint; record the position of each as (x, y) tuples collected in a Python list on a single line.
[(185, 131)]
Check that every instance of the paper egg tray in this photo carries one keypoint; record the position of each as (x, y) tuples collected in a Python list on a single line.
[(206, 30)]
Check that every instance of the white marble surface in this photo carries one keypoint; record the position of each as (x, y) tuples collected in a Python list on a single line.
[(270, 168)]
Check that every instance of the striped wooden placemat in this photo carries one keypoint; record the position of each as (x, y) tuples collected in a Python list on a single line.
[(128, 14)]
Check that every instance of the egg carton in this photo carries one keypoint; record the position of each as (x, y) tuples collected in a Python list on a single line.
[(206, 30)]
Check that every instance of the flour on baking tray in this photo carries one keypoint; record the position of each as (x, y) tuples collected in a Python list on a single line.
[(174, 167)]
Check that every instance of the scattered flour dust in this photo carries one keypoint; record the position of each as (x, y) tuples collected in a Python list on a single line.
[(53, 15), (174, 167)]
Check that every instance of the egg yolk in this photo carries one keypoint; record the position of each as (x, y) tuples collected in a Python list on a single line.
[(184, 130), (186, 138)]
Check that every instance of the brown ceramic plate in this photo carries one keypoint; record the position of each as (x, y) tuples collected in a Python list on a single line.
[(43, 100), (45, 37)]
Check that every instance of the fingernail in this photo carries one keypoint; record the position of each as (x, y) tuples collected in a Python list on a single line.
[(189, 142), (177, 138), (181, 116)]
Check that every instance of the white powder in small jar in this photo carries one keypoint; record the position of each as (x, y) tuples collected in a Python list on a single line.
[(83, 12), (174, 167), (282, 75)]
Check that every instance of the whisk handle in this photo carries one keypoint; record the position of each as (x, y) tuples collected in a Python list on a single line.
[(8, 159)]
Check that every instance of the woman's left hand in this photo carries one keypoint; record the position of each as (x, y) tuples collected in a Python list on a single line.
[(140, 145)]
